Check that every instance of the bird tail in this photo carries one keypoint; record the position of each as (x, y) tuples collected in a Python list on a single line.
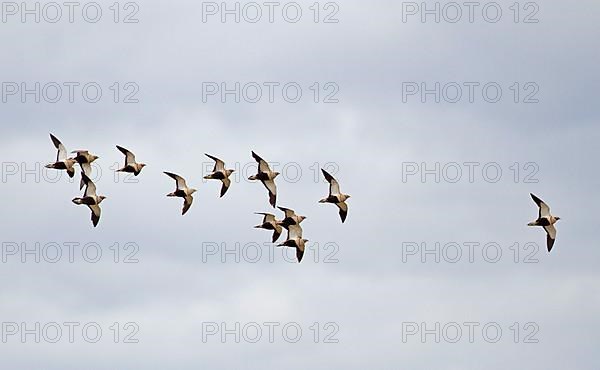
[(77, 201), (252, 178), (324, 200), (207, 177), (51, 165), (171, 195), (532, 223)]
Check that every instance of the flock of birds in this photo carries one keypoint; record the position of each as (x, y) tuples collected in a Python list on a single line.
[(291, 221)]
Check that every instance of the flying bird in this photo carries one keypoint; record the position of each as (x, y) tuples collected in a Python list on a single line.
[(335, 195), (546, 220), (267, 177), (84, 158), (62, 162), (295, 240), (220, 173), (182, 191), (270, 223), (290, 218), (90, 199), (131, 166)]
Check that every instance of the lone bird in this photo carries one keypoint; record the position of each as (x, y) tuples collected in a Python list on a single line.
[(220, 173), (131, 166), (335, 195), (62, 162), (182, 191), (90, 198), (290, 218), (84, 158), (267, 177), (546, 220), (270, 223), (295, 240)]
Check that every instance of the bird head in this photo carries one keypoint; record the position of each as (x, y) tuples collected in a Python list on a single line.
[(302, 218), (142, 165), (557, 218), (95, 157)]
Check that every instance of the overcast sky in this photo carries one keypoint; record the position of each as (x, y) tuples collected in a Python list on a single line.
[(438, 130)]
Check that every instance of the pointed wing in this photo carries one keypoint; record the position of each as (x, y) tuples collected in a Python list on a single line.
[(225, 186), (276, 234), (95, 214), (544, 209), (343, 210), (62, 152), (180, 182), (187, 203), (219, 164), (129, 156), (551, 237), (288, 212), (268, 217), (300, 252), (90, 187), (272, 188), (334, 187), (263, 166), (86, 169)]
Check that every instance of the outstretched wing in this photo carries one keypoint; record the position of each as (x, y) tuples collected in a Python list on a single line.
[(551, 237), (288, 212), (544, 209), (129, 156), (334, 187), (343, 210), (272, 188), (268, 216), (62, 152), (263, 166), (187, 203), (180, 181), (219, 164), (226, 182), (90, 187), (95, 214)]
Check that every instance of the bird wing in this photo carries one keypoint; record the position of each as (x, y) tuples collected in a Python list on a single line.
[(300, 252), (180, 181), (90, 187), (551, 237), (226, 182), (263, 166), (187, 203), (288, 212), (129, 156), (343, 210), (334, 186), (544, 209), (95, 214), (62, 152), (272, 188), (267, 216), (219, 164)]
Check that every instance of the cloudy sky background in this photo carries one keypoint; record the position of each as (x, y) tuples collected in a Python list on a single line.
[(370, 292)]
